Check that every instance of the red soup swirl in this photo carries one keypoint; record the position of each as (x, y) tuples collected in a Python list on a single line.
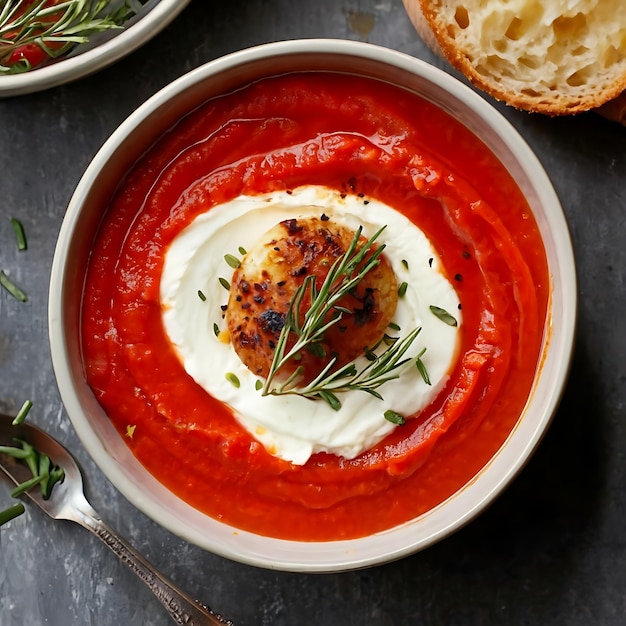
[(370, 142)]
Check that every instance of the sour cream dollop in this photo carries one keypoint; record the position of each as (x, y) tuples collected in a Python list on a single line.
[(291, 427)]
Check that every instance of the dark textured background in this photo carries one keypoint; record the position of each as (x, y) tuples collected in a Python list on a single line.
[(550, 551)]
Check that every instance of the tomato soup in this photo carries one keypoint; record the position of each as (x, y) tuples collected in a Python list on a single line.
[(360, 137)]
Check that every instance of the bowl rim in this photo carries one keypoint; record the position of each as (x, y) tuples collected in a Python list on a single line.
[(95, 58), (461, 507)]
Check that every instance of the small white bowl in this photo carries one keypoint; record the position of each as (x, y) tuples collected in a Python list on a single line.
[(92, 196), (103, 50)]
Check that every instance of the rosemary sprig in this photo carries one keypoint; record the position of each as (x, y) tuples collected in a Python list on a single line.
[(55, 28), (324, 312)]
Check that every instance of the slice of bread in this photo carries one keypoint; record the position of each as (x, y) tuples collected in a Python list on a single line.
[(554, 57)]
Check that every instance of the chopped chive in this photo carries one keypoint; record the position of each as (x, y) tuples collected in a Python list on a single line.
[(258, 385), (57, 475), (22, 413), (12, 512), (26, 485), (201, 295), (443, 315), (394, 418), (216, 330), (20, 235), (12, 288), (232, 379), (224, 283), (232, 260), (242, 251), (402, 289), (393, 326), (405, 263), (16, 453), (44, 472)]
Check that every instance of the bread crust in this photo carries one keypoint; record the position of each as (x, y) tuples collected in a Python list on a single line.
[(437, 24)]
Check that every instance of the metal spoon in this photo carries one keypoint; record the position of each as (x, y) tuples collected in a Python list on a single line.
[(68, 502)]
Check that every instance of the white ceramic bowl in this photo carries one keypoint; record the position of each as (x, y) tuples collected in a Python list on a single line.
[(92, 195), (102, 50)]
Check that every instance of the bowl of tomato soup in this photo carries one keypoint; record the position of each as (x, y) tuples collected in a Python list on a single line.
[(312, 305)]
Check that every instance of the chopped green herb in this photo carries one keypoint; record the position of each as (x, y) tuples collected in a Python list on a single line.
[(26, 485), (12, 512), (393, 326), (43, 472), (232, 260), (421, 368), (22, 413), (12, 288), (394, 418), (201, 295), (232, 379), (443, 315), (402, 289), (216, 330), (388, 340), (405, 263), (242, 251), (258, 385), (224, 283), (20, 235)]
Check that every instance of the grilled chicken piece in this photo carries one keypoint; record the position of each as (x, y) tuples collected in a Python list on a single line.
[(263, 286)]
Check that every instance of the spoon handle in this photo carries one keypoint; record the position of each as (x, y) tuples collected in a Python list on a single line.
[(181, 608)]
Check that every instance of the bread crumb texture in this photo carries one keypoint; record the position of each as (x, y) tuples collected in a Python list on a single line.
[(555, 57)]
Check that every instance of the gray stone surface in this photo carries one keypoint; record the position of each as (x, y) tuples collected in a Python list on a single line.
[(550, 551)]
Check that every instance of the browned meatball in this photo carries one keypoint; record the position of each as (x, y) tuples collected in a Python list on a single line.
[(271, 272)]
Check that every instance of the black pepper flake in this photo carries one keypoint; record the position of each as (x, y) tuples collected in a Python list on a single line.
[(281, 283), (224, 307), (366, 201), (244, 286), (460, 306), (343, 196), (458, 277), (259, 299), (238, 298), (289, 192), (361, 195), (292, 226), (277, 248), (246, 305), (272, 321), (466, 254), (324, 217), (301, 272), (430, 262)]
